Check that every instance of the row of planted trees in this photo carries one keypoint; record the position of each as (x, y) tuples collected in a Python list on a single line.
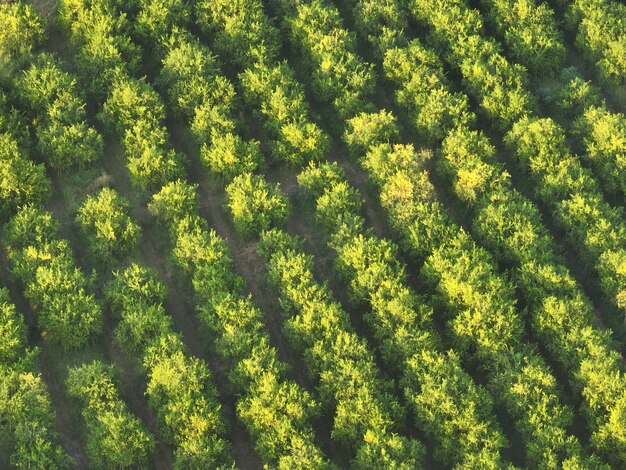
[(39, 257), (179, 386), (334, 354), (27, 427), (381, 36), (59, 293), (563, 184), (291, 265), (543, 281), (511, 227), (599, 30), (483, 323), (532, 38), (559, 179), (277, 412), (422, 365), (479, 336), (401, 323)]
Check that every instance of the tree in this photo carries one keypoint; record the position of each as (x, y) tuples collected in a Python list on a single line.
[(104, 50), (467, 158), (22, 182), (425, 92), (274, 91), (158, 18), (115, 437), (109, 229), (530, 32), (64, 137), (12, 333), (180, 389), (603, 135), (22, 30), (174, 202), (368, 129), (135, 111), (239, 30), (349, 378), (576, 94), (228, 155), (56, 288), (255, 205), (27, 423)]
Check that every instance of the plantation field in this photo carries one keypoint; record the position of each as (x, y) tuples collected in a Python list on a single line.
[(312, 234)]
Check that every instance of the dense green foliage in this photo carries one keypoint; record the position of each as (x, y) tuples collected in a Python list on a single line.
[(197, 90), (366, 412), (479, 304), (22, 30), (444, 322), (21, 181), (179, 387), (497, 84), (277, 411), (255, 204), (136, 113), (468, 161), (66, 312), (26, 416), (329, 54), (109, 229), (64, 137), (530, 32), (115, 438), (433, 109), (603, 135), (239, 30), (104, 51), (599, 27), (402, 325)]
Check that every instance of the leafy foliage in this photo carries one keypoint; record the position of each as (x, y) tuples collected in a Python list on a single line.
[(600, 35), (424, 91), (115, 437), (255, 205), (179, 388), (21, 181), (348, 376), (338, 75), (64, 137), (27, 419), (480, 305), (529, 30), (136, 113), (401, 323), (277, 412), (198, 91), (604, 137), (22, 30), (56, 288), (239, 30), (104, 219)]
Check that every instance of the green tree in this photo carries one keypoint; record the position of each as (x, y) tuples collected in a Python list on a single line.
[(229, 155), (240, 30), (21, 181), (115, 437), (57, 289), (175, 202), (255, 204), (51, 94), (107, 224), (22, 30)]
